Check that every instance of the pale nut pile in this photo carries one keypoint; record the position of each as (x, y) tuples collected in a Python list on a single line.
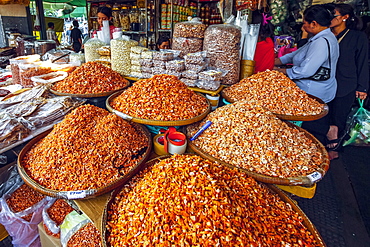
[(162, 97), (188, 201), (247, 136), (276, 92)]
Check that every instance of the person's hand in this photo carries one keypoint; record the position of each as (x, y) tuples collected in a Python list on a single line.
[(282, 70), (361, 95), (278, 62)]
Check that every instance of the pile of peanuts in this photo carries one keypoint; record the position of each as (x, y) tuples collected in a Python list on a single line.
[(276, 92), (23, 198), (87, 236), (91, 78), (89, 149), (185, 200), (162, 97), (248, 136), (57, 212)]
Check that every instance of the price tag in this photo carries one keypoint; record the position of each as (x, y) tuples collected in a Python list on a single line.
[(315, 176), (76, 194), (122, 115)]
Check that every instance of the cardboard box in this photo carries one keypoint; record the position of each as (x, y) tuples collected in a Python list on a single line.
[(47, 240)]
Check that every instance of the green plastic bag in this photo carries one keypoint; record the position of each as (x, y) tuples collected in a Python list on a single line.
[(358, 127)]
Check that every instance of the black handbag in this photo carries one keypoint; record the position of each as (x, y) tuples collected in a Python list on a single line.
[(323, 73)]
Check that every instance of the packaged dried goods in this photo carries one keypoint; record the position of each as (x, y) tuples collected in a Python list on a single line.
[(190, 74), (135, 56), (77, 57), (187, 45), (189, 82), (138, 49), (163, 55), (136, 74), (189, 29), (186, 200), (147, 75), (92, 147), (120, 54), (136, 62), (135, 68), (147, 54), (260, 143), (208, 84), (49, 78), (158, 70), (57, 56), (91, 78), (195, 67), (177, 65), (146, 69), (15, 68), (159, 64), (276, 92), (53, 215), (90, 49), (195, 58), (104, 50), (214, 75), (146, 62), (163, 97), (222, 44), (28, 70), (172, 72)]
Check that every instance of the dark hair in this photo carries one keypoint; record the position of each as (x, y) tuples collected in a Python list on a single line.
[(161, 40), (266, 30), (51, 24), (75, 23), (353, 22), (106, 11), (318, 13)]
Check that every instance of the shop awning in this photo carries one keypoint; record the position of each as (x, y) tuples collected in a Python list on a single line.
[(78, 3)]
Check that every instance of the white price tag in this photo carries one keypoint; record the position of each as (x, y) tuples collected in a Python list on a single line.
[(122, 115), (76, 194), (315, 176)]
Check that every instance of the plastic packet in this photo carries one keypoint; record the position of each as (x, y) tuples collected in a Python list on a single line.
[(147, 54), (195, 67), (147, 75), (163, 55), (120, 54), (136, 74), (358, 126), (175, 73), (159, 63), (146, 62), (135, 68), (158, 71), (138, 49), (135, 56), (51, 228), (196, 58), (146, 69), (189, 82), (208, 84), (90, 48), (27, 70), (213, 75), (49, 78), (189, 29), (15, 68), (136, 62), (190, 74), (104, 50), (187, 45), (77, 57), (54, 54), (72, 223), (176, 65)]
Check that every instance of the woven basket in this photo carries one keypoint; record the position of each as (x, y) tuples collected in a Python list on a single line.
[(88, 193), (90, 95), (303, 181), (283, 196), (323, 113), (156, 122)]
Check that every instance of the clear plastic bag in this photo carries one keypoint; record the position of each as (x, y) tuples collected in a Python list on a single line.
[(159, 64), (54, 54), (147, 55), (189, 82), (195, 67), (49, 78), (138, 49), (189, 29), (158, 71), (146, 69), (358, 126), (208, 84), (27, 70), (120, 54), (196, 58), (190, 74), (187, 45), (146, 62), (72, 223), (175, 73), (213, 75), (163, 55), (15, 68), (176, 65), (49, 223), (90, 47)]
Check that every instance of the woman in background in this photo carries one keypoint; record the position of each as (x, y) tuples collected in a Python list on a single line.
[(163, 43), (105, 14), (352, 72)]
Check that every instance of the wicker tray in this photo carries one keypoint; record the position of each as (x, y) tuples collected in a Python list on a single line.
[(303, 181), (323, 113), (81, 194), (90, 95), (155, 122), (284, 197)]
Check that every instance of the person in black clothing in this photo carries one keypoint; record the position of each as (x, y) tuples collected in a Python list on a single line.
[(76, 37), (352, 72)]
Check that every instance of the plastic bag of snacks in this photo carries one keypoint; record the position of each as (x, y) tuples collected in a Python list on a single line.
[(21, 209), (49, 78), (147, 54), (187, 45), (146, 62), (172, 72), (176, 65), (54, 214), (195, 67), (190, 74), (213, 75), (159, 63), (77, 230), (189, 29), (77, 57), (208, 84), (61, 55), (18, 60), (158, 71), (28, 70), (120, 54), (189, 82), (90, 47), (196, 58)]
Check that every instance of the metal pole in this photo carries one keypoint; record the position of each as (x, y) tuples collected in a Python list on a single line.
[(40, 13)]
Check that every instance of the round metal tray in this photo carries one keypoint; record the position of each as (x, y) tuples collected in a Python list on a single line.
[(156, 122)]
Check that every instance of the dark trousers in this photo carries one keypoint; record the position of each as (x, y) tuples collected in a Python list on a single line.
[(76, 46), (318, 128), (339, 108)]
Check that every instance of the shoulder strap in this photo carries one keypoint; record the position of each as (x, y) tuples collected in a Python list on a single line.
[(327, 42), (340, 39)]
